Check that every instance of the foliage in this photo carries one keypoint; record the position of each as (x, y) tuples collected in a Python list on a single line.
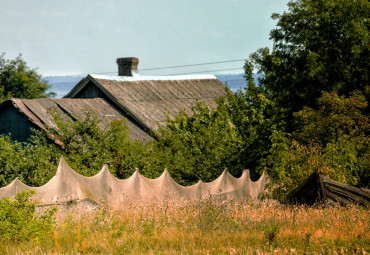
[(320, 54), (19, 81), (87, 145), (278, 126), (336, 116), (33, 163), (241, 133), (196, 147), (331, 140), (319, 45), (254, 117), (18, 219), (340, 128)]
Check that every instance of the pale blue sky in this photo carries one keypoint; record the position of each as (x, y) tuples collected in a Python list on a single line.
[(86, 36)]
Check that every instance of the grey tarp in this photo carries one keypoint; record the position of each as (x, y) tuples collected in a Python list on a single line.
[(104, 188)]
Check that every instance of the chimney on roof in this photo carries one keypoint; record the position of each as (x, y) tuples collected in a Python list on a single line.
[(127, 66)]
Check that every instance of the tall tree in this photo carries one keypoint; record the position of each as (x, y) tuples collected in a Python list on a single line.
[(332, 140), (20, 81), (319, 45)]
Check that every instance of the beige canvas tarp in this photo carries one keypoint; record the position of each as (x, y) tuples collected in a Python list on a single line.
[(104, 188)]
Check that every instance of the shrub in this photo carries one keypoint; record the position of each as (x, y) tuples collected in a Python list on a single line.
[(331, 140), (19, 221), (34, 163)]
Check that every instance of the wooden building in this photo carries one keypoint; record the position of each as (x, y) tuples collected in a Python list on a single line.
[(318, 188), (19, 116), (145, 101)]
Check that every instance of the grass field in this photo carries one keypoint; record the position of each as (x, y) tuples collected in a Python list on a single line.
[(204, 228)]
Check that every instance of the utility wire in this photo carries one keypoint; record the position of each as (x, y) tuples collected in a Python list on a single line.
[(209, 63), (209, 71), (233, 80), (167, 67)]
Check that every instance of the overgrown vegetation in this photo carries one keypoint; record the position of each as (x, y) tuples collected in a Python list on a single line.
[(332, 140), (19, 221), (310, 112), (208, 227)]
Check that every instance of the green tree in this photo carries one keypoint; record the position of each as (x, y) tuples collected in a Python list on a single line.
[(87, 146), (332, 140), (196, 147), (340, 128), (319, 45), (19, 81), (254, 117)]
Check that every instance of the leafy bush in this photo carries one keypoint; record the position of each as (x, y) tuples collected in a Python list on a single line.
[(196, 147), (86, 145), (331, 140), (18, 219), (33, 163)]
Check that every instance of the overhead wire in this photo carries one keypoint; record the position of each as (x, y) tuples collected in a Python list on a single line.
[(200, 64), (209, 71), (170, 67)]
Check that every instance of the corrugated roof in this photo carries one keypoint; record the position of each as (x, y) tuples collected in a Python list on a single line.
[(38, 110), (149, 100)]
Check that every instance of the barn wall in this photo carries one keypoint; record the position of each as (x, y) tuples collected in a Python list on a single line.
[(14, 122)]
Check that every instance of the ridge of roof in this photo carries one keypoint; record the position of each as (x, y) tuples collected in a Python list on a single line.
[(137, 77)]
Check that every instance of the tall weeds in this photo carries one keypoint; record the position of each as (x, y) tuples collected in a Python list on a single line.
[(207, 227)]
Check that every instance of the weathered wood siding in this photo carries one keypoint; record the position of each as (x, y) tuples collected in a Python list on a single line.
[(15, 123), (318, 188), (91, 91)]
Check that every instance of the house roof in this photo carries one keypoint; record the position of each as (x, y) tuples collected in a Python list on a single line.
[(37, 111), (148, 99)]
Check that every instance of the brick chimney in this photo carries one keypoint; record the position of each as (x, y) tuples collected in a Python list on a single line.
[(127, 66)]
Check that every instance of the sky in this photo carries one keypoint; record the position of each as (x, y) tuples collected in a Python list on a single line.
[(87, 36)]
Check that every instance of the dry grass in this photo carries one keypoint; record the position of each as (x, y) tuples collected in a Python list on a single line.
[(206, 228)]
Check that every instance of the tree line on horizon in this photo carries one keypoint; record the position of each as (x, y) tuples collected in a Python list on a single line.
[(308, 113)]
